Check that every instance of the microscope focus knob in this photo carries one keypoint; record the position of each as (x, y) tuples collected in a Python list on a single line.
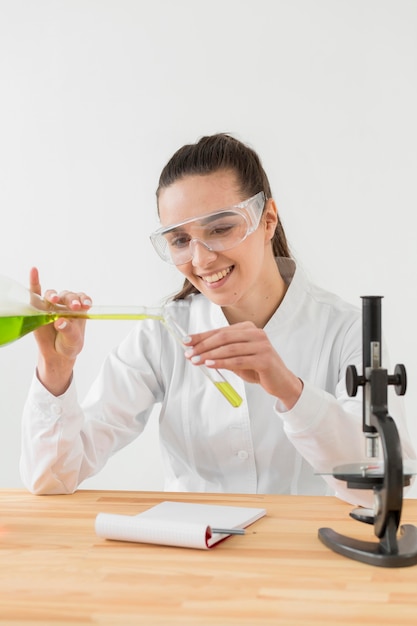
[(353, 380), (399, 380)]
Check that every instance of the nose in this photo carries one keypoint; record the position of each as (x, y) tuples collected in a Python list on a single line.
[(200, 254)]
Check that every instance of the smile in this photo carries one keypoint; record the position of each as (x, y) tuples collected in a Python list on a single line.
[(214, 278)]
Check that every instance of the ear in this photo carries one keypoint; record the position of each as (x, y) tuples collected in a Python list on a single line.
[(270, 218)]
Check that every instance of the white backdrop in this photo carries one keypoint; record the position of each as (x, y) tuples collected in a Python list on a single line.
[(97, 94)]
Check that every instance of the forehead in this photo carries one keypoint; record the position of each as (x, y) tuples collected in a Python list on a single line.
[(193, 196)]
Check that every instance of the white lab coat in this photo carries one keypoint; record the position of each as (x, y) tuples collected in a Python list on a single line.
[(206, 444)]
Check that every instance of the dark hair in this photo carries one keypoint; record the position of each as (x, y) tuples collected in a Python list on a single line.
[(212, 154)]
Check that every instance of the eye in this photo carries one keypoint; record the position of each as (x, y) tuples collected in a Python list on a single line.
[(221, 229), (179, 240)]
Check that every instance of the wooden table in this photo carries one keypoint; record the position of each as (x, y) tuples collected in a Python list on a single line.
[(55, 570)]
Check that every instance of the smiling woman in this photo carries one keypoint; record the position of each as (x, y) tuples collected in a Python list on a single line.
[(246, 308), (236, 273)]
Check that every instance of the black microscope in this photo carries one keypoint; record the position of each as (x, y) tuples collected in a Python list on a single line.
[(397, 545)]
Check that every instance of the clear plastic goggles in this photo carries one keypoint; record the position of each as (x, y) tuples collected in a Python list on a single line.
[(218, 231)]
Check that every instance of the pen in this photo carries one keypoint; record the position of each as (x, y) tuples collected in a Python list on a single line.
[(228, 531)]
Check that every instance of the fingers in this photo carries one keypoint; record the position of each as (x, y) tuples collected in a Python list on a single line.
[(34, 284), (228, 334), (69, 331), (70, 299), (69, 335), (228, 347), (246, 350)]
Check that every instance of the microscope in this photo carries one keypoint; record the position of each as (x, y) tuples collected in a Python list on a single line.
[(396, 545)]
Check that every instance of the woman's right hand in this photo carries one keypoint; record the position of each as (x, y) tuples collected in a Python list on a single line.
[(59, 343)]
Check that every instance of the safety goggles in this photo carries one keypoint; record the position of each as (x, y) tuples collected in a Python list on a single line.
[(218, 231)]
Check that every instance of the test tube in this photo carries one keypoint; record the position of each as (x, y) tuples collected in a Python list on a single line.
[(216, 377)]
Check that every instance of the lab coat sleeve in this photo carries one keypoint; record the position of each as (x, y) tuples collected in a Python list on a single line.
[(50, 429), (327, 431), (63, 443)]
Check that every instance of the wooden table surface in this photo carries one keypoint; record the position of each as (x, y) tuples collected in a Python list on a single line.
[(55, 570)]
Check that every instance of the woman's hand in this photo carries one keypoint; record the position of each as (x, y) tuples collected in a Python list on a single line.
[(246, 350), (59, 343)]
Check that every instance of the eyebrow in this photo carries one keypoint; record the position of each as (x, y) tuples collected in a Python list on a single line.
[(204, 220)]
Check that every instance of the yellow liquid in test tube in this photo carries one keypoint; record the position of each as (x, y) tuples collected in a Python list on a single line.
[(229, 393)]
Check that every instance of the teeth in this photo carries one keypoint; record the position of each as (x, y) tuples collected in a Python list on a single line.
[(218, 276)]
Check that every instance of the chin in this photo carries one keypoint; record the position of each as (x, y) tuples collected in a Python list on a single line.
[(220, 299)]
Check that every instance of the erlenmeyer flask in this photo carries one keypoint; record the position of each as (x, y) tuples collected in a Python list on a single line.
[(22, 311)]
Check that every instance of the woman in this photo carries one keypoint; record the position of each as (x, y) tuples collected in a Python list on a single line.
[(283, 343)]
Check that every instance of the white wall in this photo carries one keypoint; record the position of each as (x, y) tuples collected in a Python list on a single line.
[(97, 94)]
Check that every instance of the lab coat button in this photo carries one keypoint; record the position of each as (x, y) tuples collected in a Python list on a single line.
[(242, 454)]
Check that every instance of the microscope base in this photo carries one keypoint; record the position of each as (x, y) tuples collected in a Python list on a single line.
[(373, 553)]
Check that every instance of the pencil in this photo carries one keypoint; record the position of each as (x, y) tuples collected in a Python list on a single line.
[(228, 531)]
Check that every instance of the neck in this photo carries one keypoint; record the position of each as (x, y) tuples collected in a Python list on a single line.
[(262, 304)]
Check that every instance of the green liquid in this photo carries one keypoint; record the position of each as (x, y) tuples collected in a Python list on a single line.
[(14, 327), (229, 393)]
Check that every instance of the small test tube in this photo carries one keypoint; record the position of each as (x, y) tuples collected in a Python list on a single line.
[(212, 374)]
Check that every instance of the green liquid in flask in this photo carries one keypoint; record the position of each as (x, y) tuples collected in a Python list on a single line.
[(13, 327)]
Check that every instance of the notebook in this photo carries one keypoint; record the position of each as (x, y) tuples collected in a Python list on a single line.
[(182, 524)]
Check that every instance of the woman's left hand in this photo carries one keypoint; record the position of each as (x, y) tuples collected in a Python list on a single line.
[(246, 350)]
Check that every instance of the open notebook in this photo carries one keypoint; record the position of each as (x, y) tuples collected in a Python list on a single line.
[(183, 524)]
